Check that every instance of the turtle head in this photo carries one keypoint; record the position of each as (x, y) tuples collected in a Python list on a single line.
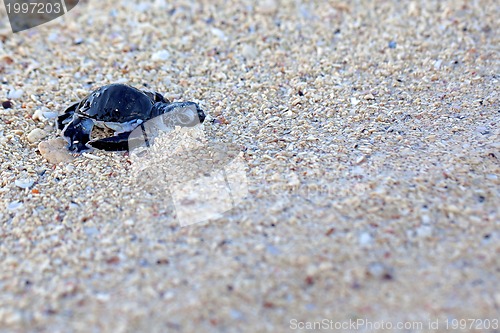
[(180, 113)]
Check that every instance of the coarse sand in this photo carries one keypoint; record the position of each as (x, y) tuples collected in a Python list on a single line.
[(367, 185)]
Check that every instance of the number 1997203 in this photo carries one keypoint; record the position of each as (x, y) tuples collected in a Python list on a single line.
[(34, 8)]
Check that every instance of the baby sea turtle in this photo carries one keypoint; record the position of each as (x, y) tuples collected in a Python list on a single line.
[(121, 108)]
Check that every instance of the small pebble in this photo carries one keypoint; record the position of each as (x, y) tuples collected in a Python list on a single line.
[(482, 130), (24, 183), (6, 59), (102, 297), (15, 205), (357, 171), (129, 222), (36, 135), (219, 33), (55, 151), (392, 44), (7, 104), (92, 156), (235, 314), (311, 138), (267, 6), (425, 219), (365, 239), (272, 250), (90, 231), (379, 271), (38, 115), (161, 55), (15, 94), (369, 97), (53, 36), (293, 179), (249, 52), (221, 120), (50, 114), (424, 231), (360, 159)]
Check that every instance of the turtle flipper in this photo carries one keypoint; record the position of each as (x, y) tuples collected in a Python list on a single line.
[(125, 140), (113, 143), (77, 132), (65, 118)]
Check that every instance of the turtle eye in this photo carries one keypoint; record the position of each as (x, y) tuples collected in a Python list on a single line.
[(159, 98)]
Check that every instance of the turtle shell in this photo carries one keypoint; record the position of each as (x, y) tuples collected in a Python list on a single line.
[(116, 103)]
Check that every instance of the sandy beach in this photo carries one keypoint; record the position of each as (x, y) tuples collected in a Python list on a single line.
[(348, 170)]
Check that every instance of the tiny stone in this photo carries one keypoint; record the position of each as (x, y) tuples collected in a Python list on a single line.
[(219, 33), (482, 130), (8, 60), (102, 297), (50, 114), (55, 151), (161, 55), (38, 115), (311, 138), (36, 135), (15, 94), (361, 159), (365, 239), (392, 44), (90, 231), (424, 231), (249, 52), (11, 318), (129, 222), (235, 314), (293, 179), (7, 104), (357, 171), (24, 183), (53, 37), (369, 97), (267, 6), (272, 250), (425, 219), (15, 205), (431, 138), (379, 271)]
